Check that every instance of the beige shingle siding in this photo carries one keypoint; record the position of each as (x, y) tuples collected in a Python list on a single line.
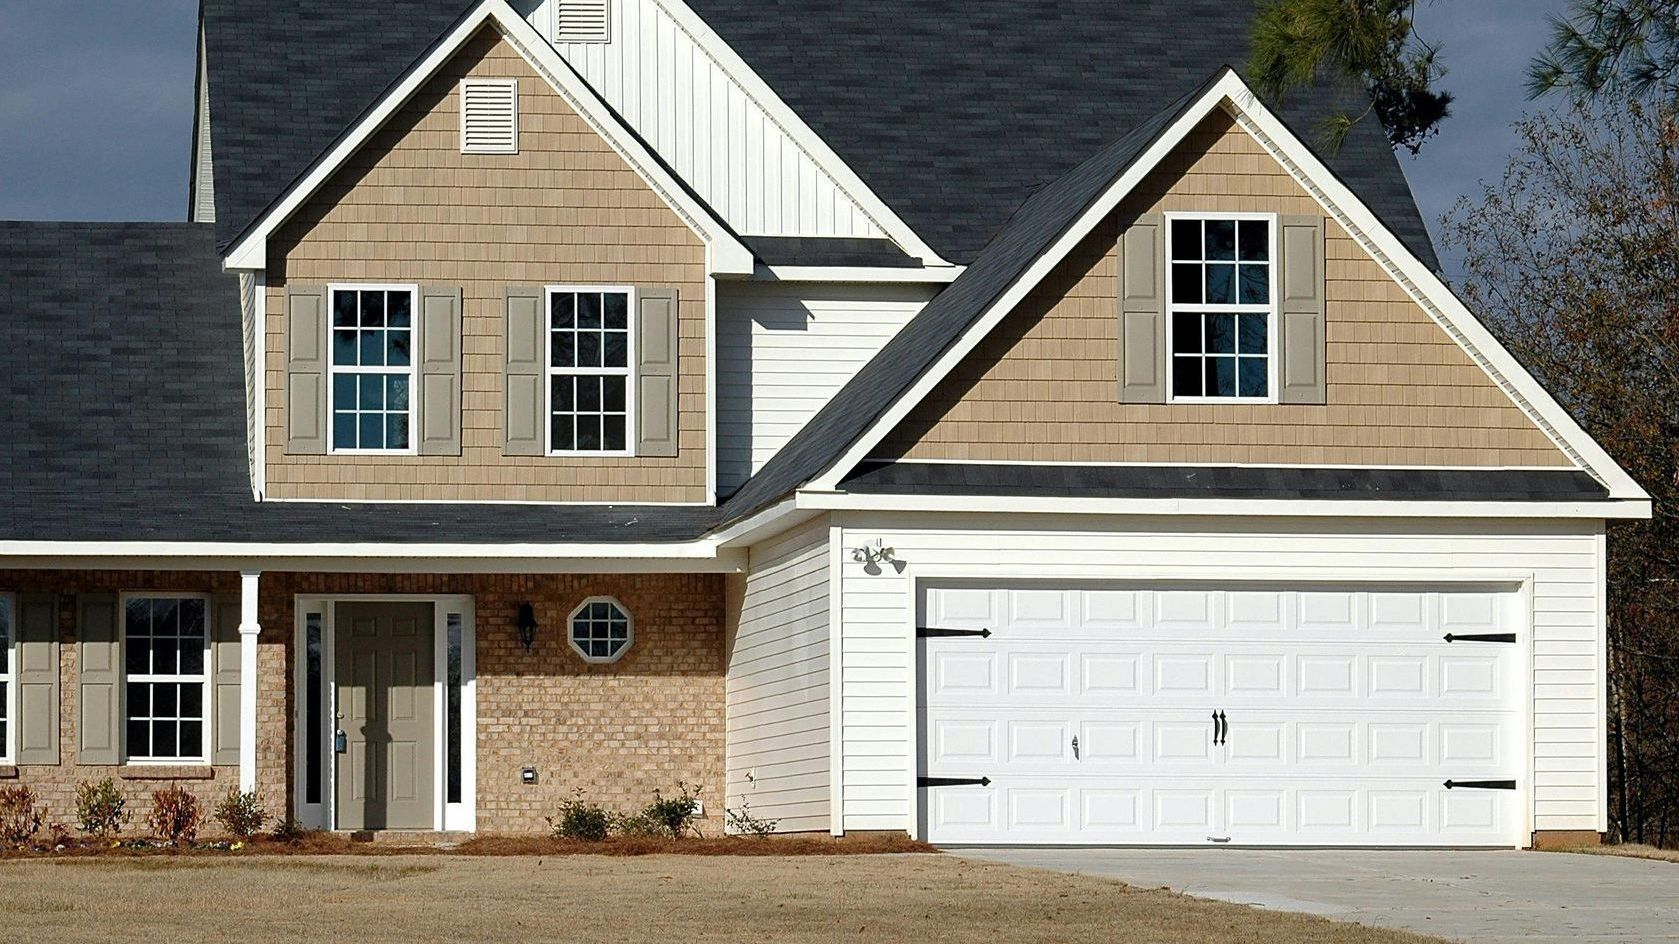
[(1042, 387), (411, 208)]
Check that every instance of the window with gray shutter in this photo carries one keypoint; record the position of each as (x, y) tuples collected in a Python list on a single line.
[(36, 727), (440, 371), (525, 335), (306, 370), (1142, 311), (658, 338), (99, 671), (1303, 372), (224, 654)]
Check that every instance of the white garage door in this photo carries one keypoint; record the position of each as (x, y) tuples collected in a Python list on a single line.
[(1195, 716)]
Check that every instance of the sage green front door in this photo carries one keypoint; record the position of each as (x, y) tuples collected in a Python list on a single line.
[(384, 663)]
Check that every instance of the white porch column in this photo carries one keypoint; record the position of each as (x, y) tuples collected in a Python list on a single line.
[(249, 629)]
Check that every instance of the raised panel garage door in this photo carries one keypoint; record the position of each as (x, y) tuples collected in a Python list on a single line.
[(1262, 716)]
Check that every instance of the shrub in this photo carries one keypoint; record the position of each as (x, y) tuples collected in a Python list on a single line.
[(580, 819), (100, 808), (241, 813), (674, 816), (289, 831), (743, 822), (175, 816), (58, 836), (19, 819), (638, 826)]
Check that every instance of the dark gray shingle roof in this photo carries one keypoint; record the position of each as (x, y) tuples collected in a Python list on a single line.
[(120, 368)]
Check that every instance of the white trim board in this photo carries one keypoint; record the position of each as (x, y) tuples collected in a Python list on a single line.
[(1230, 93), (725, 254), (1230, 508)]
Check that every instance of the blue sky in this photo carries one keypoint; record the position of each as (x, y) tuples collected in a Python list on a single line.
[(96, 104)]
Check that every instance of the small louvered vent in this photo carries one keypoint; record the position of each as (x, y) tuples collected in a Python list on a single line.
[(581, 21), (490, 116)]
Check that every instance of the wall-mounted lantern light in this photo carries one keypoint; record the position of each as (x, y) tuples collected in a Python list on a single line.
[(527, 625)]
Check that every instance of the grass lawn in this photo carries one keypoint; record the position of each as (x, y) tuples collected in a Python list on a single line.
[(910, 898), (1630, 850)]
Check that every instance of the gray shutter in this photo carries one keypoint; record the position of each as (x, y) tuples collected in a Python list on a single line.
[(224, 656), (1301, 337), (99, 692), (1142, 310), (522, 379), (307, 346), (656, 375), (439, 399), (37, 679)]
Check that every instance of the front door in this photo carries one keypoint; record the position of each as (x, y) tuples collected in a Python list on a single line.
[(387, 746)]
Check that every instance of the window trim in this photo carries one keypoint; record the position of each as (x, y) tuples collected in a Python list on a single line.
[(513, 148), (412, 372), (207, 727), (1270, 310), (629, 632), (8, 742), (628, 372)]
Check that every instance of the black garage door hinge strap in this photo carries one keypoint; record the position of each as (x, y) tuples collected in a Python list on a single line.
[(929, 633), (1480, 637), (1480, 785), (953, 781)]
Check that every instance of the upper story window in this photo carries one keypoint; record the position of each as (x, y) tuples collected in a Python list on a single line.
[(8, 677), (372, 368), (1222, 305), (582, 21), (590, 394), (166, 650)]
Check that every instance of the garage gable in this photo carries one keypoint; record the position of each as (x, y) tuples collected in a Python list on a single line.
[(1045, 384)]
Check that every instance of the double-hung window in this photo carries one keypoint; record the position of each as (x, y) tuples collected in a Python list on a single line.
[(591, 393), (1222, 304), (372, 368), (166, 646), (8, 678)]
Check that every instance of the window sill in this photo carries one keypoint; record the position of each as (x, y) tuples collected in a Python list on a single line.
[(168, 772)]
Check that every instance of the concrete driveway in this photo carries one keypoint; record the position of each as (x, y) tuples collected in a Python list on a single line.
[(1493, 896)]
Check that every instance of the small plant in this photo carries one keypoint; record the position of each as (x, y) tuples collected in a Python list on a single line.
[(19, 819), (580, 819), (241, 813), (100, 808), (289, 831), (58, 836), (674, 816), (175, 816), (744, 823)]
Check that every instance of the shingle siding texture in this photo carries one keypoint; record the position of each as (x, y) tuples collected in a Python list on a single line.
[(410, 208), (1042, 387)]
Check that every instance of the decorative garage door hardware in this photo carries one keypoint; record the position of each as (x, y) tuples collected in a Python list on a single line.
[(953, 782), (1480, 785), (1221, 729), (930, 633), (1481, 637)]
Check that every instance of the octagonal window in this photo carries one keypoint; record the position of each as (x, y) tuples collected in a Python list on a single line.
[(601, 630)]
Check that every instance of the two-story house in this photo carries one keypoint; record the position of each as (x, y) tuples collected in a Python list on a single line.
[(984, 420)]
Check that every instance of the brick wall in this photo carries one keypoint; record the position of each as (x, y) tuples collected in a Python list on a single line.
[(616, 731)]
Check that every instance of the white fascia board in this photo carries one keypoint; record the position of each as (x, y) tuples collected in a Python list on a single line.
[(789, 122), (725, 254), (1411, 273), (774, 520), (1220, 507), (688, 550), (925, 275)]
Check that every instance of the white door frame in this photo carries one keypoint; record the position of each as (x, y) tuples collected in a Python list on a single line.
[(1518, 585), (448, 817)]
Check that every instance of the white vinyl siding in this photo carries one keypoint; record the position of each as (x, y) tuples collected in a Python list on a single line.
[(1563, 561), (783, 351), (203, 166), (715, 135), (778, 744)]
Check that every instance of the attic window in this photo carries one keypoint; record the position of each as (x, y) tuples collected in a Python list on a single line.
[(490, 116), (581, 21)]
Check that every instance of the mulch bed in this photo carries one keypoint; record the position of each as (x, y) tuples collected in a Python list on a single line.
[(318, 844)]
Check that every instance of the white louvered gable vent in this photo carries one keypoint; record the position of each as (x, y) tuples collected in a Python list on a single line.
[(490, 116), (582, 21)]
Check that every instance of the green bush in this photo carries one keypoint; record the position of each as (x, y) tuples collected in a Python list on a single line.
[(175, 817), (101, 807), (580, 819), (241, 813), (19, 819), (674, 816)]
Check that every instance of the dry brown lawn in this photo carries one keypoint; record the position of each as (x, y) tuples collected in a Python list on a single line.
[(1630, 850), (910, 898)]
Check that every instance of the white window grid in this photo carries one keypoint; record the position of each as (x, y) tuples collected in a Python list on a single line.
[(1268, 309), (336, 370), (600, 630), (200, 679), (553, 372)]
